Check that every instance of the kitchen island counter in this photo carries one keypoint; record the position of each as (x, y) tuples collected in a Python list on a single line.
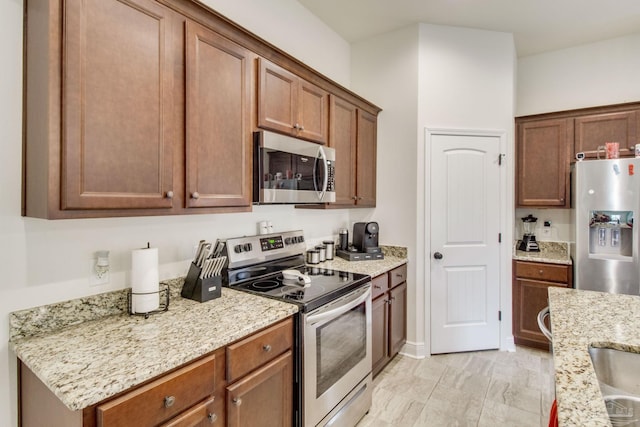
[(88, 362), (580, 319)]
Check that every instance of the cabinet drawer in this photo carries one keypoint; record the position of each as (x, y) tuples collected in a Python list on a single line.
[(258, 349), (162, 399), (379, 285), (203, 413), (540, 271), (398, 275)]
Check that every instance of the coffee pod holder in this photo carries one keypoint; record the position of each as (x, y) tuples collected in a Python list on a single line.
[(201, 289), (163, 297)]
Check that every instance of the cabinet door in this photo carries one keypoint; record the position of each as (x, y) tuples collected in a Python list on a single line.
[(529, 297), (542, 176), (264, 397), (398, 318), (380, 333), (117, 112), (366, 160), (277, 98), (218, 120), (342, 137), (593, 131), (313, 113)]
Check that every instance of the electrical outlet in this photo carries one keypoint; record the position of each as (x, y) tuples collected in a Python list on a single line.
[(546, 232), (94, 278)]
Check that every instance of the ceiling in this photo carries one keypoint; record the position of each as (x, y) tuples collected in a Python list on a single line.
[(537, 25)]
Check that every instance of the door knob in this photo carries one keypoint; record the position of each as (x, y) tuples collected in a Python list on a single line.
[(437, 255)]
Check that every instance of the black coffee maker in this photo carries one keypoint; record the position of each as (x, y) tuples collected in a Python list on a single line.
[(365, 237)]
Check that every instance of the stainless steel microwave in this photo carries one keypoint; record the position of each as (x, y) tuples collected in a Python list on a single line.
[(287, 170)]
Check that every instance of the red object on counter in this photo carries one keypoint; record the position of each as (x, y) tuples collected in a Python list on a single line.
[(553, 415)]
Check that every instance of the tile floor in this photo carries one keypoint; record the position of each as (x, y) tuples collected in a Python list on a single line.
[(486, 388)]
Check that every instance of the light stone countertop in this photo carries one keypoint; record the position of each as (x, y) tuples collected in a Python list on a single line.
[(89, 349), (578, 320), (394, 256), (85, 363), (550, 252)]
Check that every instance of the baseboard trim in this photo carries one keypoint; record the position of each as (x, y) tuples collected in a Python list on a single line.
[(414, 350)]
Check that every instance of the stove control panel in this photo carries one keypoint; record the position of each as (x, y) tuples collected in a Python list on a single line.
[(271, 243), (253, 249)]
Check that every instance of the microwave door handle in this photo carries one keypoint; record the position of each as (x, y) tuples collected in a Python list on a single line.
[(335, 312), (325, 181)]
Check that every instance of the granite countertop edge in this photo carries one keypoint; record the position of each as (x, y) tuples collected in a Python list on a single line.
[(580, 319)]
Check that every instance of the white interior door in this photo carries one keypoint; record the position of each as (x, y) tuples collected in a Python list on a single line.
[(465, 248)]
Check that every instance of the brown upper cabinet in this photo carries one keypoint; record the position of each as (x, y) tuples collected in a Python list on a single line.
[(547, 144), (117, 123), (218, 120), (147, 107), (291, 105), (592, 131), (353, 135), (543, 163)]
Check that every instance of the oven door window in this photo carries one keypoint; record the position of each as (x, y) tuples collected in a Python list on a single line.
[(340, 346)]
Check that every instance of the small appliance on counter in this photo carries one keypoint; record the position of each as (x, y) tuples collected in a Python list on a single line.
[(528, 242), (365, 243)]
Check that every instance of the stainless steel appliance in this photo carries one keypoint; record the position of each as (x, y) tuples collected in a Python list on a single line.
[(290, 170), (528, 242), (605, 200), (332, 363)]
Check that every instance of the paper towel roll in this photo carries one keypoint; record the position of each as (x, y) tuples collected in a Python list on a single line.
[(144, 280)]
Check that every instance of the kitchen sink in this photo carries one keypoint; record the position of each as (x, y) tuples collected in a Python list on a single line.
[(618, 374)]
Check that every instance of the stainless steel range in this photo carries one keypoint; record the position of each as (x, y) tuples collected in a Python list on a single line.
[(332, 381)]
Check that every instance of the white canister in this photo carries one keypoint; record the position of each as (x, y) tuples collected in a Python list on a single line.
[(637, 147)]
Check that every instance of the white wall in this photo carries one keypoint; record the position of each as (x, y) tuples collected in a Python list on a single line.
[(48, 261), (589, 75), (593, 74), (440, 77), (385, 71)]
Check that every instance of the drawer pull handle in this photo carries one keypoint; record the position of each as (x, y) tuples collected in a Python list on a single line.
[(212, 418), (169, 194), (377, 287), (237, 401), (541, 272), (266, 348), (169, 401), (195, 195)]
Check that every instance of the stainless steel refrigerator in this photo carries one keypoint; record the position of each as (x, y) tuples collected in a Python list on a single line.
[(605, 201)]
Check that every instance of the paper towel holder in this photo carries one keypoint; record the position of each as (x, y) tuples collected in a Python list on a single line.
[(164, 305)]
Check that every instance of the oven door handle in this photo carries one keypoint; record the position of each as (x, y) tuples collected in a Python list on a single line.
[(341, 309), (325, 179)]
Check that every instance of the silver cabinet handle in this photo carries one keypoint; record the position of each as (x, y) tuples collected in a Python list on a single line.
[(195, 195), (212, 418), (266, 348), (169, 194), (169, 401), (236, 401)]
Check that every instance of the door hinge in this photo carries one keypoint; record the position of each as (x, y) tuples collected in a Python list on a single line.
[(499, 237), (500, 157), (499, 316)]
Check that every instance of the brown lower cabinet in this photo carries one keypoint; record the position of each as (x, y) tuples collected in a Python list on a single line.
[(248, 383), (531, 280), (389, 316)]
